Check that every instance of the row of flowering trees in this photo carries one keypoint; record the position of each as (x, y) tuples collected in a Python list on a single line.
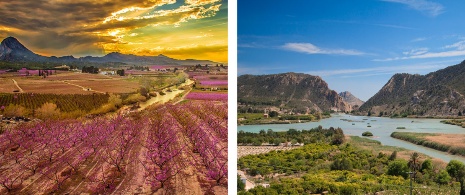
[(97, 151)]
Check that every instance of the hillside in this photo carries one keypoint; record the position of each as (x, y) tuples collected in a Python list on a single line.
[(11, 50), (301, 92), (353, 101), (439, 93)]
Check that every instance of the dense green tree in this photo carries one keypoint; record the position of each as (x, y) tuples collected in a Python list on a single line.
[(398, 167), (393, 156), (240, 184), (456, 169), (273, 114), (443, 177), (427, 165)]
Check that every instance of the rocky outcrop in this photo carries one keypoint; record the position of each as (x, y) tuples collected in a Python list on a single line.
[(353, 101), (439, 93), (289, 90)]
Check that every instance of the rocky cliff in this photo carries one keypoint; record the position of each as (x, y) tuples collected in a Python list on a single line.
[(353, 101), (289, 90), (439, 93)]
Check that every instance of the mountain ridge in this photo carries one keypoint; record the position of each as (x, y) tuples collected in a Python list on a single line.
[(14, 51), (298, 91), (438, 93)]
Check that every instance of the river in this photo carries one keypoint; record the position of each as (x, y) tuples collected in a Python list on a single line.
[(381, 127)]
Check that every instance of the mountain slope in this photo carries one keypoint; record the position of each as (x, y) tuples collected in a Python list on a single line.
[(439, 93), (351, 99), (13, 51), (289, 90)]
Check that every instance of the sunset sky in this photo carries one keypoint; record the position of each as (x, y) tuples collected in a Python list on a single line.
[(353, 45), (189, 29)]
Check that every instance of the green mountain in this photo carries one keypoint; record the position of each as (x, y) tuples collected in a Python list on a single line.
[(439, 93), (297, 91)]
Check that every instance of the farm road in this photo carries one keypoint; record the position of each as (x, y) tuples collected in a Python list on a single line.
[(20, 90), (83, 88)]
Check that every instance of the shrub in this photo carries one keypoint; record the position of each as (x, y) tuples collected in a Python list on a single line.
[(443, 177), (115, 100), (398, 168), (134, 98), (48, 111), (15, 110), (367, 133), (344, 164)]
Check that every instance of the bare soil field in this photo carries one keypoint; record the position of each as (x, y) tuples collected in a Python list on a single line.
[(7, 85), (68, 83), (47, 86), (108, 85), (65, 75)]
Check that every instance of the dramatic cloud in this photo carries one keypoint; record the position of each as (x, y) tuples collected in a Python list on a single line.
[(428, 7), (179, 52), (309, 48), (82, 27)]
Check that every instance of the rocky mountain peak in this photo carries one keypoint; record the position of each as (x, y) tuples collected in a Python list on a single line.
[(351, 99)]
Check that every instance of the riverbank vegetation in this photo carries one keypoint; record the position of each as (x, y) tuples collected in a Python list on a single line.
[(367, 134), (457, 122), (293, 136), (452, 143), (354, 166), (258, 117)]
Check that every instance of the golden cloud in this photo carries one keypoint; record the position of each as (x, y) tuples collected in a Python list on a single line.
[(84, 27)]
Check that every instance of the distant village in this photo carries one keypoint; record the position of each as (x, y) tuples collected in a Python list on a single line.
[(124, 70)]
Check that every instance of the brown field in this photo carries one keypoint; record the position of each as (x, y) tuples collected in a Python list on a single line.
[(65, 75), (68, 83), (7, 85), (46, 86), (109, 85), (448, 139)]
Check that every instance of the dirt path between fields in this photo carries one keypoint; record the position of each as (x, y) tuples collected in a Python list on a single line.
[(83, 88), (20, 90)]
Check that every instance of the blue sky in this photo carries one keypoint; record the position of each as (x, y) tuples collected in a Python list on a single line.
[(353, 45)]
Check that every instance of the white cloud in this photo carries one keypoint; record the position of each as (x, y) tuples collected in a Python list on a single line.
[(459, 45), (419, 39), (309, 48), (385, 70), (428, 7), (416, 51), (392, 26), (444, 54), (421, 53)]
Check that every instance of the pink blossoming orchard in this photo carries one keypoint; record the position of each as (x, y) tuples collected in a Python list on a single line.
[(179, 147), (169, 149)]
